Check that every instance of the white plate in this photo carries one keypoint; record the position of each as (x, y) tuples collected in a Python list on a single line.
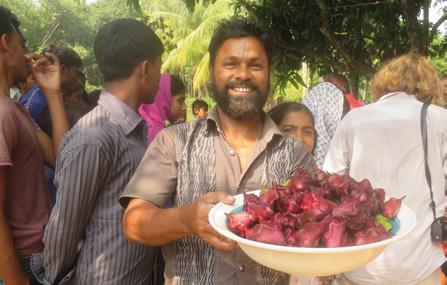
[(307, 261)]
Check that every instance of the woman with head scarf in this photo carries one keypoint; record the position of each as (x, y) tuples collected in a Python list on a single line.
[(168, 108), (327, 104)]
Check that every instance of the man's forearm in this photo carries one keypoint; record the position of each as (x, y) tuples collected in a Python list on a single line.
[(59, 120), (146, 223), (11, 271)]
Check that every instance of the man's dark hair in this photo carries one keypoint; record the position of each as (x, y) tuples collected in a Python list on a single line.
[(122, 44), (67, 56), (198, 104), (177, 85), (8, 21), (238, 27)]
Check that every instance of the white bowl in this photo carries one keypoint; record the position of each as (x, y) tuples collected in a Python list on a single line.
[(308, 261)]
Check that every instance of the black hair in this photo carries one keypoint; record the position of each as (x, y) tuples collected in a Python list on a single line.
[(198, 104), (8, 22), (177, 85), (122, 44), (278, 112), (93, 97), (238, 27), (67, 56)]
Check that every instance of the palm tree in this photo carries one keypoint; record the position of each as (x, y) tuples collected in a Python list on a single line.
[(191, 33)]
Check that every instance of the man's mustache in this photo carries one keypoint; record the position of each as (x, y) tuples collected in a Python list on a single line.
[(241, 84)]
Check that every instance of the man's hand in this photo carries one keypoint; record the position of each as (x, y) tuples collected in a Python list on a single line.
[(197, 220), (46, 71)]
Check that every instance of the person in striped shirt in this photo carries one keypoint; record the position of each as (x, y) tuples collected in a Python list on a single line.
[(84, 242)]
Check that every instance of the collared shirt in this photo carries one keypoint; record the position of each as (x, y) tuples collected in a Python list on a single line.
[(84, 239), (382, 142), (174, 169)]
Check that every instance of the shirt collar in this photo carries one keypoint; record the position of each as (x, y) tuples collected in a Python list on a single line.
[(269, 131), (120, 113), (397, 94)]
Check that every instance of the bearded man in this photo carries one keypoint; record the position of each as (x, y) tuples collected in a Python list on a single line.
[(193, 166)]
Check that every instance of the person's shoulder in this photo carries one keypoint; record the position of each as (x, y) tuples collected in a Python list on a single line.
[(93, 129), (438, 117)]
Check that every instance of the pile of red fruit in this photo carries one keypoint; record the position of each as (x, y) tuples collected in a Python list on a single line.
[(327, 211)]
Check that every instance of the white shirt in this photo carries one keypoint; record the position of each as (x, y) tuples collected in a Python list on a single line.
[(382, 142)]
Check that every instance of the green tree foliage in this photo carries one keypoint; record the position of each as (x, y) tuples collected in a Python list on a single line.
[(352, 37), (186, 34), (68, 22)]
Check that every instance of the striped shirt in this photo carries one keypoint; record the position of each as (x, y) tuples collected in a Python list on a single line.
[(187, 161), (84, 241)]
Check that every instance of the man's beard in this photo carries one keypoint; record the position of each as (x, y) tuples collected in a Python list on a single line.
[(240, 107)]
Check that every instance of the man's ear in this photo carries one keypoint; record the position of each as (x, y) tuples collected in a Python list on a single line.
[(5, 41), (146, 67)]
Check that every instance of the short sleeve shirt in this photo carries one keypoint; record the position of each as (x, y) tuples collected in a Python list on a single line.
[(157, 176), (27, 198)]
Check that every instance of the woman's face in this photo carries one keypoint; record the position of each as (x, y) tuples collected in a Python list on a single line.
[(298, 124)]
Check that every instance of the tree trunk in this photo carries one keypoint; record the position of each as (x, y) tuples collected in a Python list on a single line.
[(305, 74)]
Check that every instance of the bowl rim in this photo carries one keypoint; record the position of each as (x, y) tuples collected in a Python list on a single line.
[(401, 233)]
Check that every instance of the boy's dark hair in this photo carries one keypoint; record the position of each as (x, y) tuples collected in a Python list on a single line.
[(197, 105), (177, 85), (238, 27), (67, 56), (122, 44), (278, 112), (8, 21)]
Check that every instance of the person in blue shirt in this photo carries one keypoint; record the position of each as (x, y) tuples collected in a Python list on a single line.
[(34, 101)]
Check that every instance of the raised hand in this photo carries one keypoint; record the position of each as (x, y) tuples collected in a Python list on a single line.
[(46, 71)]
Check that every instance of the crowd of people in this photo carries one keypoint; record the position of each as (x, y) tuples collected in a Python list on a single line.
[(115, 187)]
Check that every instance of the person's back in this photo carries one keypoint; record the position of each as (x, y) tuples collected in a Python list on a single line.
[(113, 159), (382, 142), (84, 239)]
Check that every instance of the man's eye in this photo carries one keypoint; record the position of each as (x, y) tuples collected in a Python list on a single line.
[(229, 64), (256, 66)]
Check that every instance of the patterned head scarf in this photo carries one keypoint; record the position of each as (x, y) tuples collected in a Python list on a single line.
[(325, 101), (157, 113)]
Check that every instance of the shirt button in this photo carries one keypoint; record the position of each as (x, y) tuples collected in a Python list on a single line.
[(232, 153), (241, 268)]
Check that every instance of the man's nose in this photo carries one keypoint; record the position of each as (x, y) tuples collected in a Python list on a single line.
[(243, 73)]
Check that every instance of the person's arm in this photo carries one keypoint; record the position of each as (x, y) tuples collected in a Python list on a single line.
[(146, 223), (79, 176), (46, 71), (11, 271), (152, 185)]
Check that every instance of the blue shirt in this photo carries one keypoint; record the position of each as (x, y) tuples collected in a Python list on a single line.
[(35, 103)]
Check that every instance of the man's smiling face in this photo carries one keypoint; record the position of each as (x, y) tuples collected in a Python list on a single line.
[(241, 77)]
